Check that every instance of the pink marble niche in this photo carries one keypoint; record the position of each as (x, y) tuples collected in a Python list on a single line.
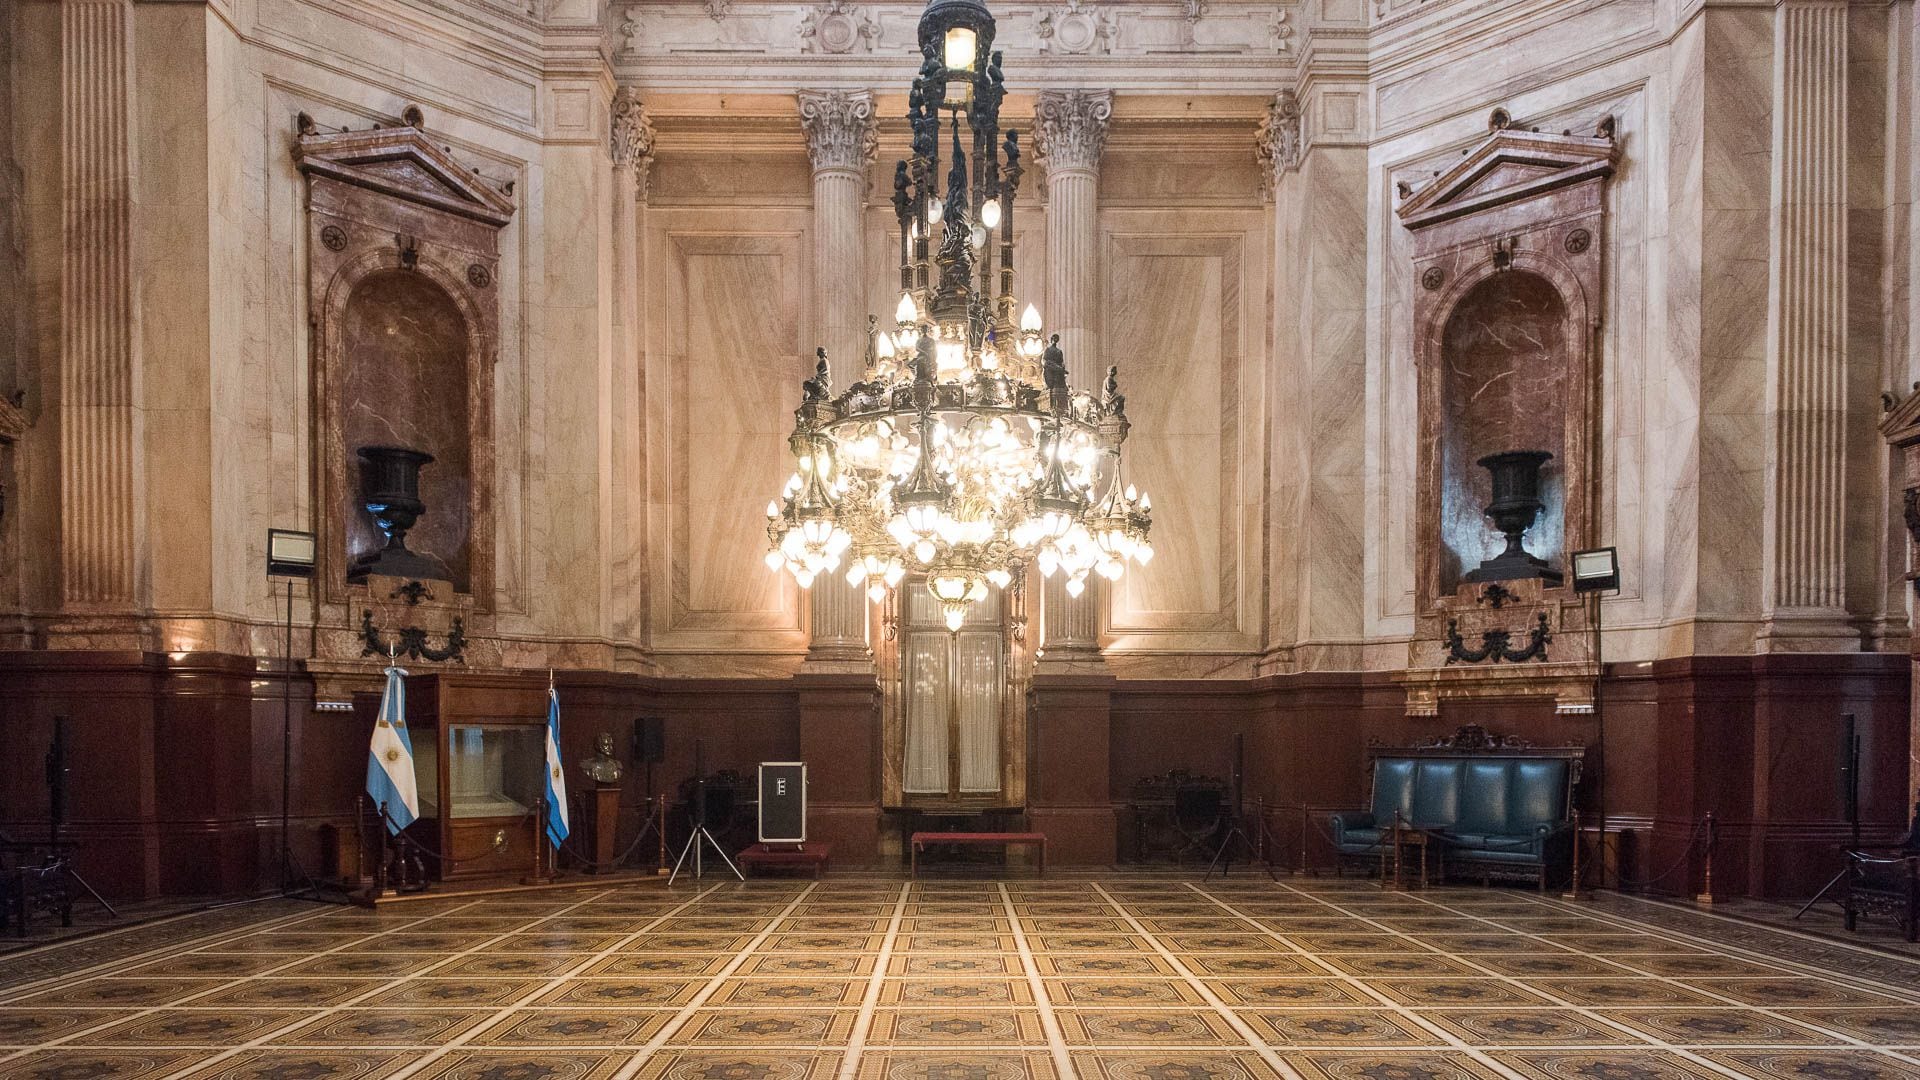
[(405, 384), (1503, 387)]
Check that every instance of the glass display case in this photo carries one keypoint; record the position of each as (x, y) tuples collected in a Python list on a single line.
[(493, 770), (479, 755)]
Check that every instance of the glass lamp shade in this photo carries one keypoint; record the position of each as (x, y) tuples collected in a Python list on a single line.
[(961, 42)]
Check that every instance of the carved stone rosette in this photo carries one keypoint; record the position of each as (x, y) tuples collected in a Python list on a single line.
[(839, 127), (1070, 129)]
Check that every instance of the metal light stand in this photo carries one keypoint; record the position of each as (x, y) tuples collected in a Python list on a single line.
[(1595, 573), (1234, 817), (699, 835)]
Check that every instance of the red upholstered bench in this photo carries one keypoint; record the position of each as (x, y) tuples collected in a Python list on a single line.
[(813, 854), (1004, 839)]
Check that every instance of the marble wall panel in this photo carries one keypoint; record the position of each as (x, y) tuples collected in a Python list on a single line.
[(730, 356), (1181, 313)]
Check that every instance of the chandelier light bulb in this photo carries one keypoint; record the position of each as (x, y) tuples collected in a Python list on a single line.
[(990, 213), (906, 313), (1076, 585), (877, 591), (775, 560), (978, 236), (935, 211), (883, 346), (956, 617), (1030, 320)]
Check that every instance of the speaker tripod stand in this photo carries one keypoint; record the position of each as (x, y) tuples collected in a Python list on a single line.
[(1237, 834), (699, 838)]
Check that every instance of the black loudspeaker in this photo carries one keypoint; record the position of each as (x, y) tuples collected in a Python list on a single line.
[(650, 740), (57, 778)]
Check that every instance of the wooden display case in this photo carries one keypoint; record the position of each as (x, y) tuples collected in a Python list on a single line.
[(479, 751)]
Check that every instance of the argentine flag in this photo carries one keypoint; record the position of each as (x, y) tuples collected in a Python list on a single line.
[(556, 776), (390, 777)]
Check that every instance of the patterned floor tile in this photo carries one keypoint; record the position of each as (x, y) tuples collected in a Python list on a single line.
[(1620, 992), (1095, 964), (364, 1028), (1309, 1028), (1455, 992), (789, 992), (956, 943), (99, 1064), (951, 1065), (827, 965), (1716, 1027), (1602, 1065), (1409, 1065), (1816, 1064), (1397, 964), (34, 1027), (524, 1065), (301, 993), (997, 1028), (1135, 992), (765, 1027), (956, 992), (1291, 992), (1789, 991), (574, 1027), (1156, 1027), (1550, 964), (1528, 1027), (740, 1064), (626, 993), (209, 965), (654, 963), (1261, 964), (265, 1064), (1895, 1026), (217, 1028), (953, 964), (454, 992), (118, 992), (1171, 1065), (509, 965)]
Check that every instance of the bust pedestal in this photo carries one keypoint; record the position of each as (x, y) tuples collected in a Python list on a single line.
[(603, 821)]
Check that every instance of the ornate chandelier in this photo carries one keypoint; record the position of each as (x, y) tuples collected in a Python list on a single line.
[(961, 456)]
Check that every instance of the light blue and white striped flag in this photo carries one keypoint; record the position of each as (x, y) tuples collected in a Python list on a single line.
[(390, 778), (556, 775)]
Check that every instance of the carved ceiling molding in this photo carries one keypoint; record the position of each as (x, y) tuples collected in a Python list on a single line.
[(1170, 42)]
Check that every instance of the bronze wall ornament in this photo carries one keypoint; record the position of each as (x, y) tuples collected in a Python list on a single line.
[(1497, 644), (411, 642)]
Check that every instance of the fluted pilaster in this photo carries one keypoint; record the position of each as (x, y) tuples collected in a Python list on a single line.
[(1070, 134), (1805, 578), (630, 146), (841, 141), (100, 514)]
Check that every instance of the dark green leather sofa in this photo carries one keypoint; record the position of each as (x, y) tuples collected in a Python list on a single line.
[(1497, 806)]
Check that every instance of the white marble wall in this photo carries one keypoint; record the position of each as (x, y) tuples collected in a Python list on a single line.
[(1259, 315)]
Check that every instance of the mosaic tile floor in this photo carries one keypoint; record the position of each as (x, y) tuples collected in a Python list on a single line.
[(1102, 978)]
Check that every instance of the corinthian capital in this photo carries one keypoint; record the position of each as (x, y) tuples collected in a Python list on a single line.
[(631, 135), (1070, 129), (1277, 145), (839, 127)]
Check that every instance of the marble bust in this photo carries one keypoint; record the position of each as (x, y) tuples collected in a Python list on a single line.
[(603, 767)]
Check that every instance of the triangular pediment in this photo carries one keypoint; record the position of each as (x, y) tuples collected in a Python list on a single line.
[(1509, 165), (1901, 425), (405, 163)]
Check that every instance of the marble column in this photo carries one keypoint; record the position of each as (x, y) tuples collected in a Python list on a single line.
[(631, 147), (1804, 586), (100, 430), (841, 141), (1070, 133)]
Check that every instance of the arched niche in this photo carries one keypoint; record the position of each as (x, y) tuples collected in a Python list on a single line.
[(1503, 386), (404, 383), (403, 265), (1509, 252)]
